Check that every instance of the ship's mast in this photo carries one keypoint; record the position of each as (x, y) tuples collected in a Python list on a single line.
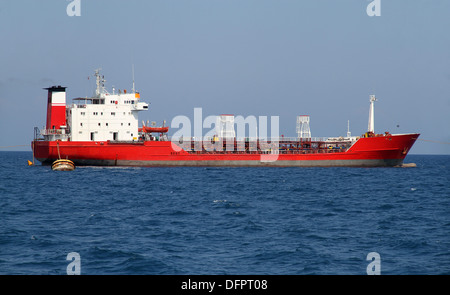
[(349, 134), (371, 127), (100, 81), (132, 70)]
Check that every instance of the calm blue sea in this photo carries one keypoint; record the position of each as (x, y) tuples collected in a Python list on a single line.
[(239, 221)]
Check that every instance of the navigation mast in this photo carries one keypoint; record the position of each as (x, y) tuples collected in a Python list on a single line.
[(371, 127), (100, 82)]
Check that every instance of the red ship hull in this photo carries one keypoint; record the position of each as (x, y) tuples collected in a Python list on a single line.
[(382, 151)]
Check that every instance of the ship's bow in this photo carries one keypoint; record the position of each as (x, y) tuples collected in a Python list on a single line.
[(385, 150)]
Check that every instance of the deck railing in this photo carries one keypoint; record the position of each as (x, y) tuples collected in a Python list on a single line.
[(283, 145), (249, 139)]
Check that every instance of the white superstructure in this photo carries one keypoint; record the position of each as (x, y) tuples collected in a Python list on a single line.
[(105, 116)]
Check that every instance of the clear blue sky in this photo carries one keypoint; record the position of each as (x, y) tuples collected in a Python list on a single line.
[(245, 57)]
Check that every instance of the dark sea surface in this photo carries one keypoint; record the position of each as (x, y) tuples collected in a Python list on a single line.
[(216, 221)]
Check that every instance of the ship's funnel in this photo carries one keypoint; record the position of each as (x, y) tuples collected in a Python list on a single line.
[(56, 107)]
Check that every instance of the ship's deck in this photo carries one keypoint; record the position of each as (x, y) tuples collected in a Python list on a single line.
[(247, 146)]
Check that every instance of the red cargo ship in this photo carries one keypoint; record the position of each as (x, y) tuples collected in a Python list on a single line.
[(103, 131)]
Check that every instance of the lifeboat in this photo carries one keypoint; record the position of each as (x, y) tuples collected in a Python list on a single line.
[(147, 129), (63, 165)]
